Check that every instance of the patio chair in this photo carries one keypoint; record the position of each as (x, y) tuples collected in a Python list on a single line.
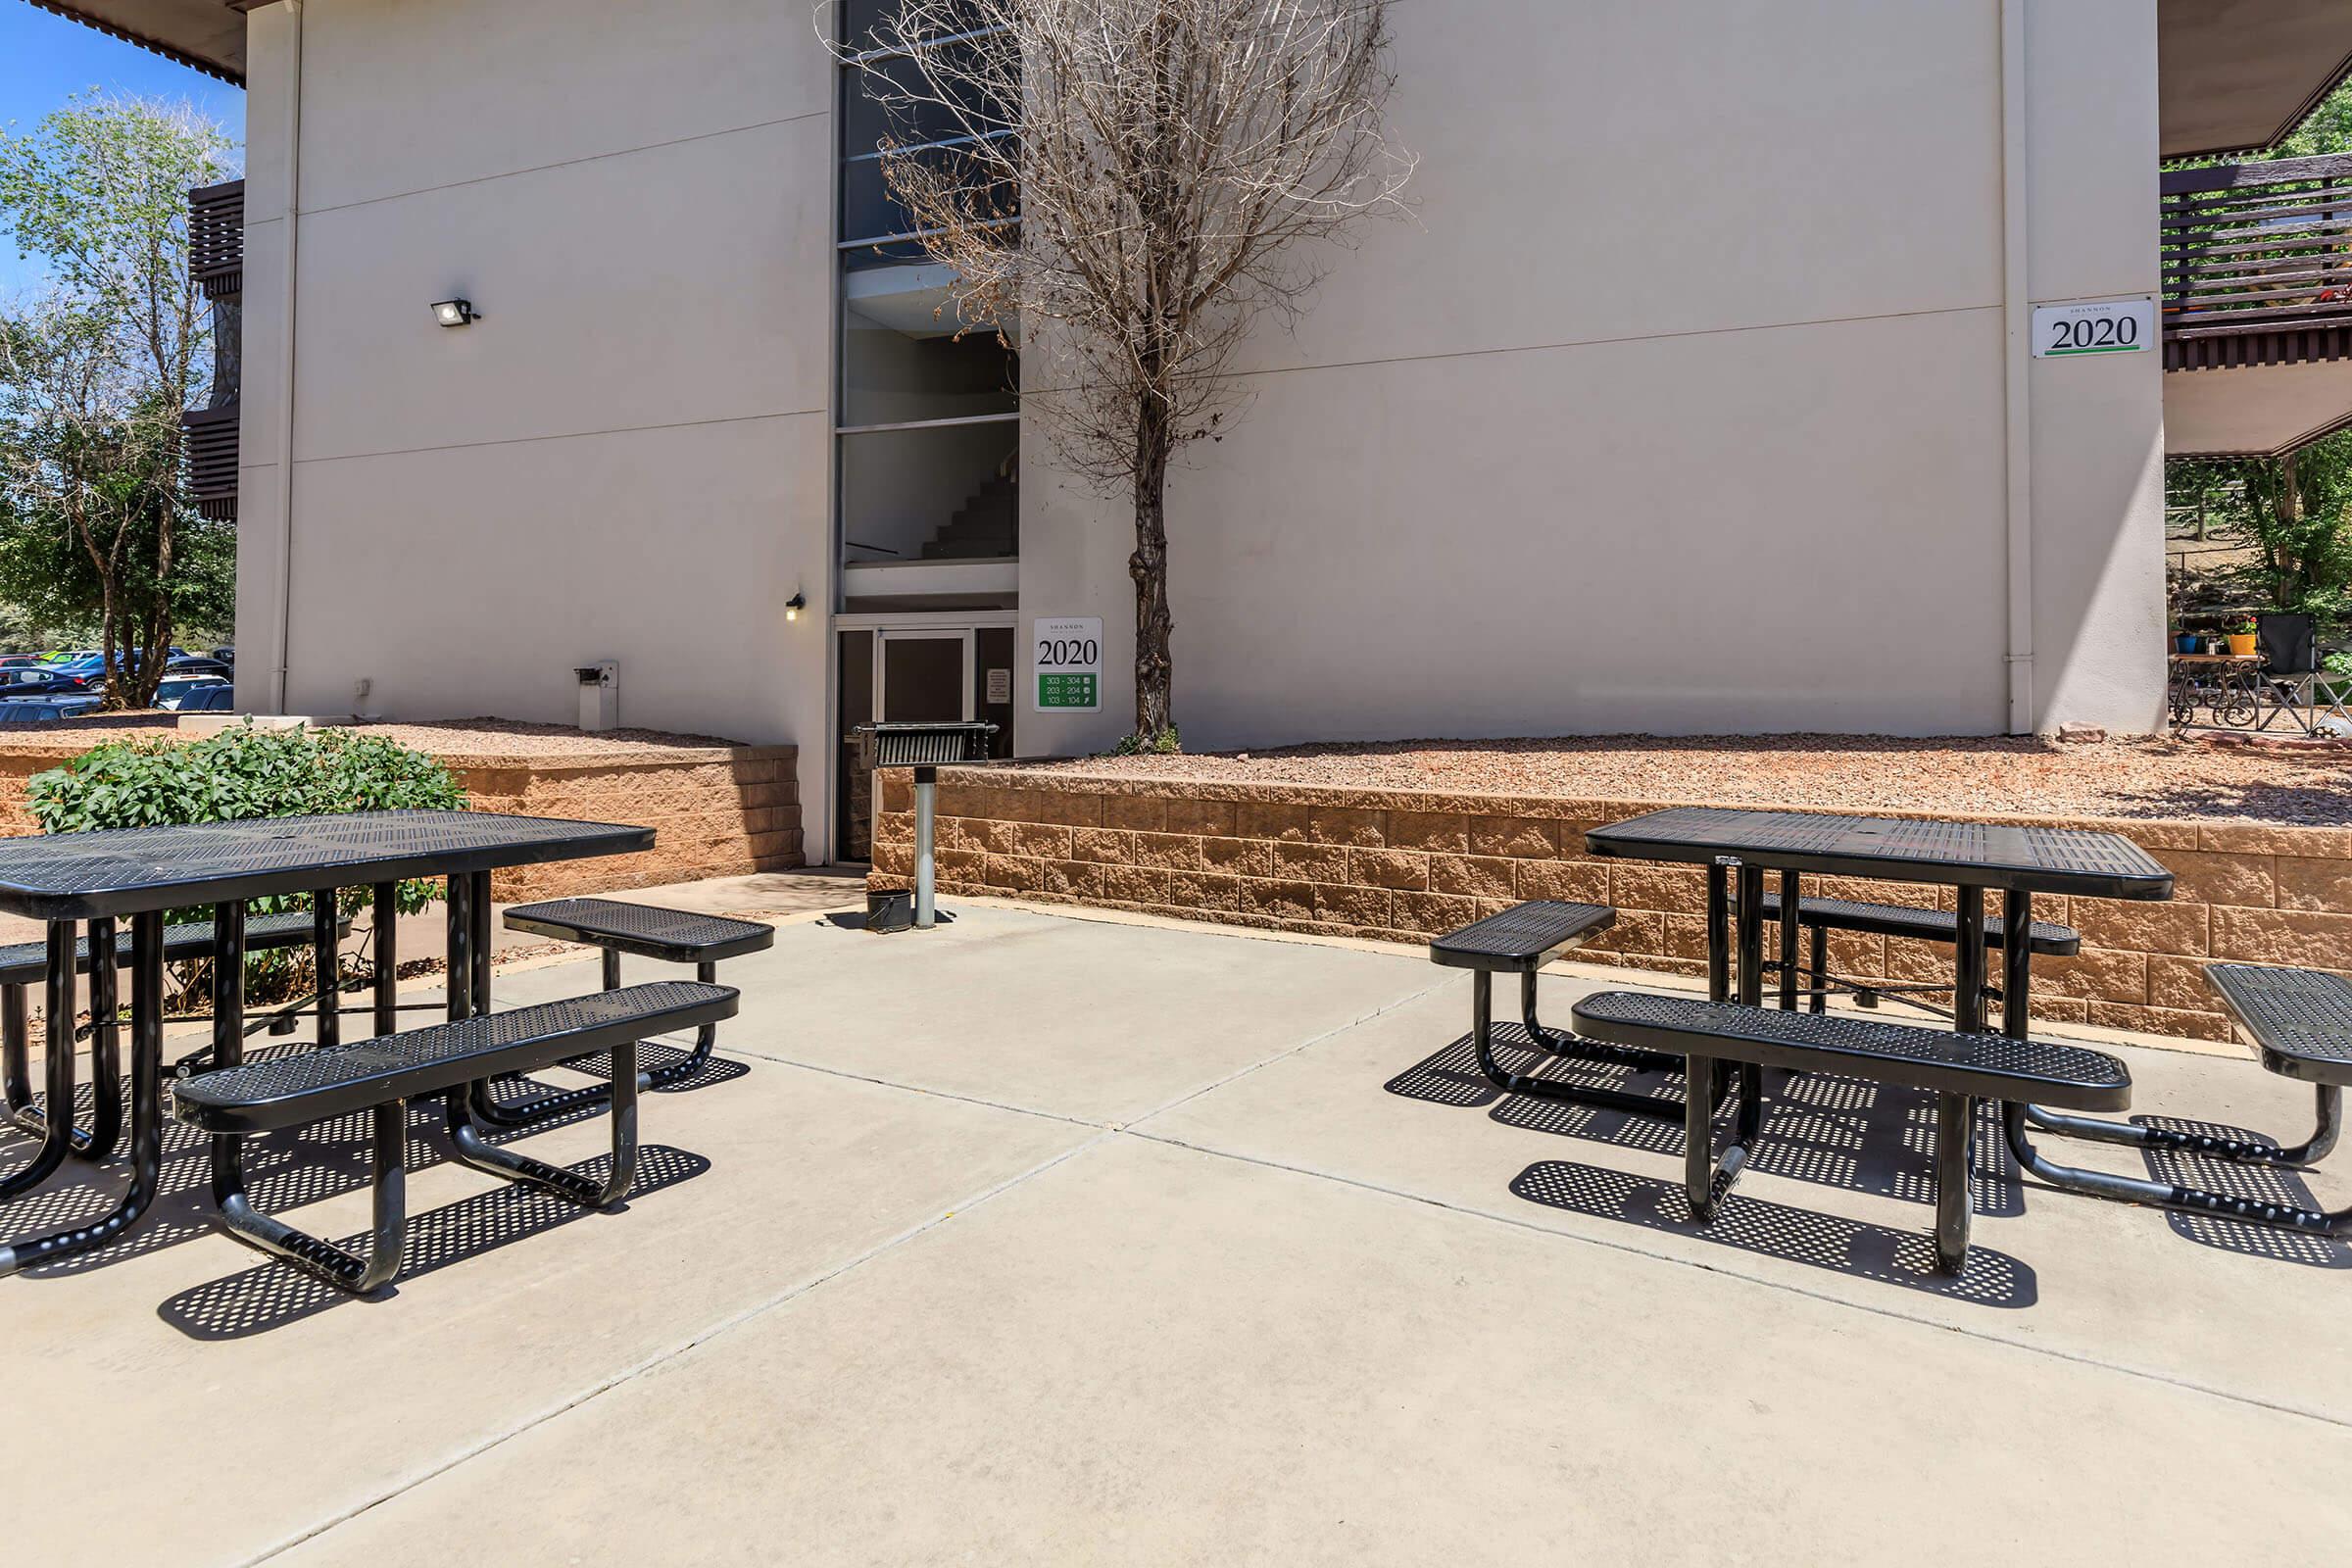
[(2291, 669)]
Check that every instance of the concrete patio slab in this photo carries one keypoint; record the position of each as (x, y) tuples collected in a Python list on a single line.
[(1096, 1020), (1058, 1240), (1152, 1355), (1840, 1199), (131, 1369)]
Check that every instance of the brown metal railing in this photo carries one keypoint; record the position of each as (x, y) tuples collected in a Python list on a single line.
[(212, 444), (216, 238), (2256, 263)]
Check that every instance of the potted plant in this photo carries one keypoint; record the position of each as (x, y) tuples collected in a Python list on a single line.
[(2240, 633), (2185, 642)]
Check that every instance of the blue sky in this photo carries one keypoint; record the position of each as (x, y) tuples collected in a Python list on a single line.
[(44, 60)]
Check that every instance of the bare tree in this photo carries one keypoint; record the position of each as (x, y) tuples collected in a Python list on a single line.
[(1128, 185)]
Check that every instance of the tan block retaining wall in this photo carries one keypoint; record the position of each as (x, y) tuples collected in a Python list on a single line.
[(1403, 867), (715, 811)]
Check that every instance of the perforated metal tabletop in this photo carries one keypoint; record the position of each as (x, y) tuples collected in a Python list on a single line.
[(125, 870), (1987, 855)]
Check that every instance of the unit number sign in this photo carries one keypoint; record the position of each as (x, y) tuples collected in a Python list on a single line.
[(2102, 326), (1069, 663)]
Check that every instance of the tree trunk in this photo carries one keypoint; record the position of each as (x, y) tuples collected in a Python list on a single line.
[(1154, 627)]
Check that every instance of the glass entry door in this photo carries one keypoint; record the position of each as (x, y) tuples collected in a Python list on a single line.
[(924, 676), (914, 673)]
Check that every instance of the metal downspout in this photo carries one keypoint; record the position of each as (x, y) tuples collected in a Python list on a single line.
[(285, 360), (2017, 364)]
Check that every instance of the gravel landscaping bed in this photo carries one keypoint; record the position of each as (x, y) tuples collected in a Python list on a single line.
[(1953, 776), (453, 740)]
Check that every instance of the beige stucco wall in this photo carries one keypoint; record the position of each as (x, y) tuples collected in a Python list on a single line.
[(1678, 405), (628, 456), (1681, 406)]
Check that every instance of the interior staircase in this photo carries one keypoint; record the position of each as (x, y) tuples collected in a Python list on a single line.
[(987, 527)]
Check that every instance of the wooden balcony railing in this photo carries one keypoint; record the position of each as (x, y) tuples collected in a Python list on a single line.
[(211, 444), (2256, 263), (216, 238), (216, 263)]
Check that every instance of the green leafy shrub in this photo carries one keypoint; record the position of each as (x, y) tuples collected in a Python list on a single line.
[(240, 773)]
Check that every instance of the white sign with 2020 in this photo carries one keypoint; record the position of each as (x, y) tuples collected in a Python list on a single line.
[(1069, 663), (2094, 326)]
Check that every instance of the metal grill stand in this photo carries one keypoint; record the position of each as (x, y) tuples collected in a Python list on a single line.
[(923, 747)]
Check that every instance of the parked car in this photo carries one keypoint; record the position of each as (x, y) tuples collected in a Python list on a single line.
[(217, 698), (39, 680), (172, 690), (196, 664), (33, 711)]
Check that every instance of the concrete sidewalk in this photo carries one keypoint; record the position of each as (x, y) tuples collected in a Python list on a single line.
[(1046, 1239)]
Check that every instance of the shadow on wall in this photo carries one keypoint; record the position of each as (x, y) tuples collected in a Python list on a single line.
[(2098, 592)]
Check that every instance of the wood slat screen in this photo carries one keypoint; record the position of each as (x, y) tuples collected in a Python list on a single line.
[(212, 435), (2256, 263), (216, 238)]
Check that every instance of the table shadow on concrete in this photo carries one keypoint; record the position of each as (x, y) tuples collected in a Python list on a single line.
[(1831, 1243), (2262, 1183), (270, 1296), (1820, 1128), (284, 1171)]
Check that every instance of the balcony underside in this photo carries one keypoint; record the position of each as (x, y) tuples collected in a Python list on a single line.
[(205, 34), (2256, 410), (2237, 74)]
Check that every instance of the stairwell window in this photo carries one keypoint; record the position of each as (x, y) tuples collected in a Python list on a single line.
[(927, 417)]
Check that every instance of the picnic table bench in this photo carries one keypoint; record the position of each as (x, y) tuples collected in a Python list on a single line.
[(1959, 1069), (381, 1075), (615, 927), (1818, 918), (1520, 941)]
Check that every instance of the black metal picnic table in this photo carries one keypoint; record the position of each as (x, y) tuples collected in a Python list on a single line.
[(1973, 859), (141, 873)]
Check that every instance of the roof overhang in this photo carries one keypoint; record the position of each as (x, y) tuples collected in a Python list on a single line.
[(208, 36), (2236, 75), (2258, 410)]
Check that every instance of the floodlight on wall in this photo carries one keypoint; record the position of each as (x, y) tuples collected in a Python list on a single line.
[(794, 606), (456, 313)]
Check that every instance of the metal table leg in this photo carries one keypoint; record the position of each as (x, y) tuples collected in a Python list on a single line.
[(2327, 1108), (387, 957), (1788, 971), (2016, 915), (1706, 1177), (146, 1096), (97, 1140), (57, 1066), (1482, 1031), (1967, 963)]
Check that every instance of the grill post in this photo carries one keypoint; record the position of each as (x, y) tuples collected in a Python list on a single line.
[(922, 745), (926, 889)]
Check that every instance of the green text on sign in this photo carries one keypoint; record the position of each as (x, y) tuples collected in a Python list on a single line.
[(1067, 691)]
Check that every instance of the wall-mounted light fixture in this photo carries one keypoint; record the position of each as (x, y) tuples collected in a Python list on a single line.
[(794, 606), (456, 313)]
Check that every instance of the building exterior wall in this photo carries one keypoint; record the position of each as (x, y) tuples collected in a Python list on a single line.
[(1681, 404), (1681, 407), (629, 457)]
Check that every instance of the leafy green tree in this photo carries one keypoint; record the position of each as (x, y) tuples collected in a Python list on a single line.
[(94, 374)]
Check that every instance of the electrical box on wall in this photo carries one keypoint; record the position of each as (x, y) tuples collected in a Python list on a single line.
[(600, 695)]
